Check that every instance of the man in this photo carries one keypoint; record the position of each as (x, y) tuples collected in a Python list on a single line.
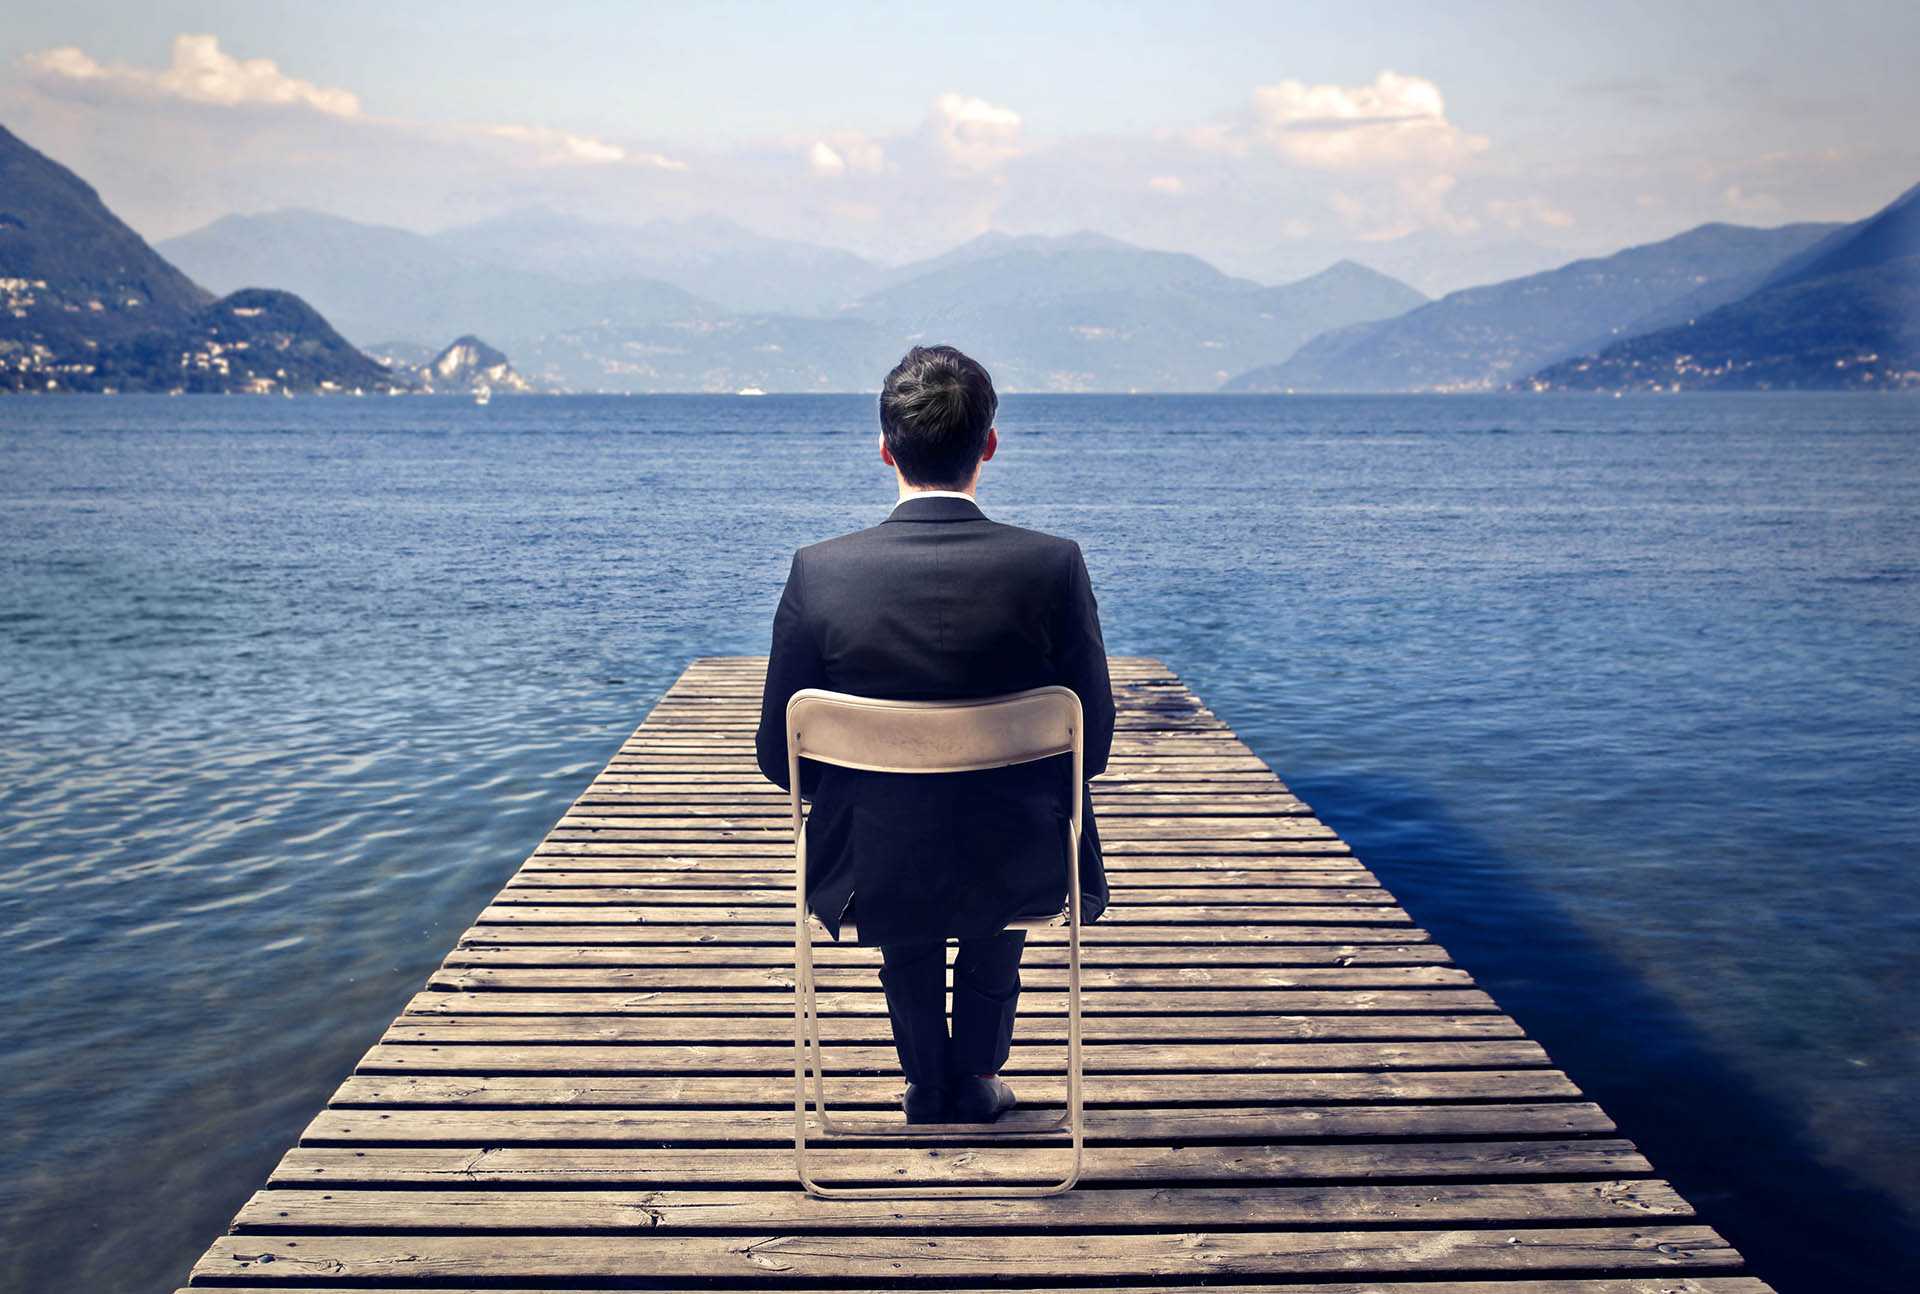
[(939, 603)]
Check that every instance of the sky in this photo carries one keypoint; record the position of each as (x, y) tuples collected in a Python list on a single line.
[(1268, 138)]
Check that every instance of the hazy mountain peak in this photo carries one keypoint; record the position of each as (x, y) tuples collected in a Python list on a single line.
[(1844, 313), (91, 307), (55, 230), (1349, 271), (996, 243), (471, 363), (1889, 234), (534, 218)]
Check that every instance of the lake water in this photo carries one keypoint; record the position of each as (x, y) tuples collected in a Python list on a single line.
[(1620, 697)]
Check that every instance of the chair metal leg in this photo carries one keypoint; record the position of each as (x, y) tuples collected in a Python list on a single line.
[(1073, 1116), (809, 1055)]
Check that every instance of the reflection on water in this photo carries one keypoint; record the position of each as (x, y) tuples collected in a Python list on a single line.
[(1617, 696)]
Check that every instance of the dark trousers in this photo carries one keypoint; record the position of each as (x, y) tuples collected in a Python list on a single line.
[(986, 994)]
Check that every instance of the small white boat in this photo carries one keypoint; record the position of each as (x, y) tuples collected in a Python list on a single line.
[(749, 390), (484, 394)]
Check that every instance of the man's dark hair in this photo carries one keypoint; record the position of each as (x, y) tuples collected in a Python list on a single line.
[(936, 409)]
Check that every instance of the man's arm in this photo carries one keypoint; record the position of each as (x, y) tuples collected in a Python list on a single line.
[(1083, 663), (794, 662)]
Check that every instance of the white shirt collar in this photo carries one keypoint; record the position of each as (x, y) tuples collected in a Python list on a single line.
[(936, 494)]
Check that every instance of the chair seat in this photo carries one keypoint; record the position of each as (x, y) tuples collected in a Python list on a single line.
[(850, 928)]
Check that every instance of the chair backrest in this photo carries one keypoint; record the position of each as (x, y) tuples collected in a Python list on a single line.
[(935, 736), (932, 736)]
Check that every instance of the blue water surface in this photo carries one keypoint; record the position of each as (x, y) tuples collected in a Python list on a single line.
[(1618, 696)]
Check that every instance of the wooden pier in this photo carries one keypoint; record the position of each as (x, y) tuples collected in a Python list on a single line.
[(1289, 1085)]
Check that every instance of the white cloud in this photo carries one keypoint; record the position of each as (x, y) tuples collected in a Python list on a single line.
[(971, 135), (1756, 204), (562, 148), (824, 160), (1521, 212), (1382, 213), (1382, 156), (846, 152), (1342, 203), (201, 72), (1395, 121), (1171, 185)]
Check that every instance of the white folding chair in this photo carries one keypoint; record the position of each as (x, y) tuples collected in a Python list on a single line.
[(931, 737)]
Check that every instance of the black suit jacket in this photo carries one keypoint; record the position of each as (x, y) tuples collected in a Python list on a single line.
[(939, 603)]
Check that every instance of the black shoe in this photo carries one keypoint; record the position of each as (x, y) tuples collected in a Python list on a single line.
[(981, 1098), (925, 1104)]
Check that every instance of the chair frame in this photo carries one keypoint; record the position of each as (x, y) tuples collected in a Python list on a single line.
[(931, 737)]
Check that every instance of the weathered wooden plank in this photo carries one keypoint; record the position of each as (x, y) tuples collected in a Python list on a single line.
[(618, 809), (669, 1125), (1661, 1283), (1102, 1058), (503, 974), (730, 1030), (1129, 772), (1196, 1256), (741, 844), (649, 1168), (499, 913), (1195, 944), (539, 890), (1115, 946), (1125, 764), (773, 829), (1161, 1091), (1323, 868), (1351, 1204), (1666, 1282), (1134, 883), (703, 1001)]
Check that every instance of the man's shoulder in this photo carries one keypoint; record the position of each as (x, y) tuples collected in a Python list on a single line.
[(999, 532), (852, 541), (1029, 535)]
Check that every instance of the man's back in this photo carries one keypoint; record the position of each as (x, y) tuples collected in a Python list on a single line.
[(938, 603)]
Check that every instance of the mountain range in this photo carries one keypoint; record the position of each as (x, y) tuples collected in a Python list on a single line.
[(1079, 312), (704, 305)]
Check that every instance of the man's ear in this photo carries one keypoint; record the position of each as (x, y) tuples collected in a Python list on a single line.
[(886, 455), (993, 443)]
